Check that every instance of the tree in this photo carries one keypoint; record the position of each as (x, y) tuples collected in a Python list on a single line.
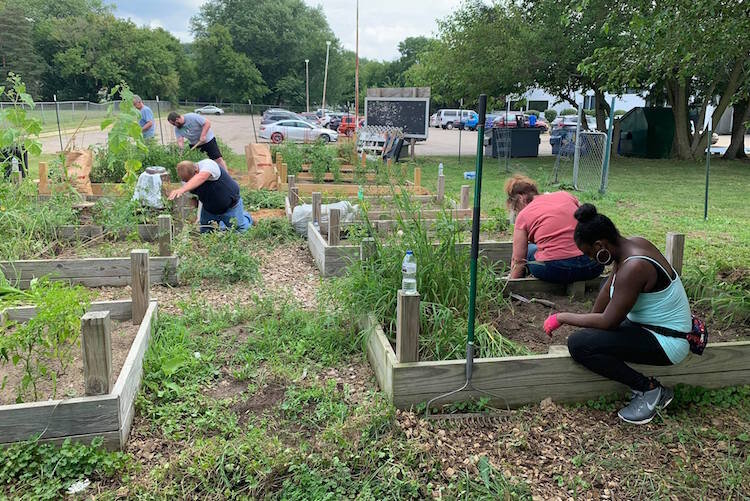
[(277, 36), (17, 53), (696, 51), (97, 51), (225, 75)]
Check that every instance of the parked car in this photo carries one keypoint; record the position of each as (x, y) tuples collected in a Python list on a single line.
[(347, 125), (469, 120), (505, 119), (541, 123), (275, 116), (297, 131), (310, 117), (488, 119), (209, 110), (335, 120), (434, 122), (572, 121)]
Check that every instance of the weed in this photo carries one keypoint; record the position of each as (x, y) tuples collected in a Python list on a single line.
[(322, 160), (273, 231), (217, 255), (32, 470), (262, 199)]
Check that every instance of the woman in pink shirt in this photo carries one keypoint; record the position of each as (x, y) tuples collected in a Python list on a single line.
[(543, 234)]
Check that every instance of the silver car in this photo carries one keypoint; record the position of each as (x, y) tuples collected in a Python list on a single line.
[(209, 110), (298, 131)]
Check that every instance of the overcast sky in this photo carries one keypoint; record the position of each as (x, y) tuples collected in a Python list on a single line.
[(382, 23)]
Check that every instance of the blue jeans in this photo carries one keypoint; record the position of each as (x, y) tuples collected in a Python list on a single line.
[(563, 271), (235, 216)]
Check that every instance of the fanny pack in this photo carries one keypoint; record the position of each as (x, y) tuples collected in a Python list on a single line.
[(697, 337)]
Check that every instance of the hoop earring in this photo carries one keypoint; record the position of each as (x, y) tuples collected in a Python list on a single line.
[(603, 261)]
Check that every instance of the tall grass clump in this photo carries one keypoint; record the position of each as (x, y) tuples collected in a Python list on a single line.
[(723, 290), (28, 227), (442, 281)]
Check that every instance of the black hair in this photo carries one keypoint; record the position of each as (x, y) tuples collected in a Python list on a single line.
[(593, 226), (173, 115)]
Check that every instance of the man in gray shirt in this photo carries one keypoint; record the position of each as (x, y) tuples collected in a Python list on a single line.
[(197, 130), (147, 117)]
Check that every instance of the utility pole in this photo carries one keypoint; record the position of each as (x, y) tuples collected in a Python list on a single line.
[(325, 78), (356, 76)]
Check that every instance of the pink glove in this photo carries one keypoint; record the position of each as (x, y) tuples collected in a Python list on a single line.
[(551, 324)]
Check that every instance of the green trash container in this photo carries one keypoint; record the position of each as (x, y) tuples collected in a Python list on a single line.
[(524, 142)]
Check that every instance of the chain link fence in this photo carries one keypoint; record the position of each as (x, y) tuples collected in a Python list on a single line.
[(580, 159)]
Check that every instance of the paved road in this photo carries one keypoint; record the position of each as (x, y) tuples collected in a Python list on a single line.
[(237, 131)]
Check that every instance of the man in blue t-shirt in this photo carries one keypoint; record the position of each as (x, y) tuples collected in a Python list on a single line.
[(197, 130), (147, 117)]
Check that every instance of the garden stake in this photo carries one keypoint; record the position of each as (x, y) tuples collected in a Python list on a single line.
[(468, 386)]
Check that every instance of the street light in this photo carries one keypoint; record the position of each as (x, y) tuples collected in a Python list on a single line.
[(325, 77), (307, 84)]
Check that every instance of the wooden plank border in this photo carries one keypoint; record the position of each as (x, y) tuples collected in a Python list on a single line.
[(83, 418), (530, 379), (90, 272)]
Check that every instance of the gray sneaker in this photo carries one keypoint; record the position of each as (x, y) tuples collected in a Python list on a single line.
[(644, 405)]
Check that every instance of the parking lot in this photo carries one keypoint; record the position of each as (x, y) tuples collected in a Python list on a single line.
[(237, 131)]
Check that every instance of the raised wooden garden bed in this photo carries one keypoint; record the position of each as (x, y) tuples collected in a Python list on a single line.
[(530, 379), (524, 380), (107, 410), (93, 272)]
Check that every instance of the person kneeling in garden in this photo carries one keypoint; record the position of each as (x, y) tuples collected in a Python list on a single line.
[(643, 295), (218, 193), (543, 235)]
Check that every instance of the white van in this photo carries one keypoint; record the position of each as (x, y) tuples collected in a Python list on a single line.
[(448, 119)]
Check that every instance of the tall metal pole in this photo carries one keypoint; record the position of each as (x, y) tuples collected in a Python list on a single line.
[(577, 151), (356, 75), (158, 113), (607, 148), (460, 127), (325, 78), (708, 165), (57, 112), (307, 85), (252, 119)]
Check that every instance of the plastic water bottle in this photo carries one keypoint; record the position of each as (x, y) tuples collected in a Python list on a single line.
[(440, 169), (409, 273)]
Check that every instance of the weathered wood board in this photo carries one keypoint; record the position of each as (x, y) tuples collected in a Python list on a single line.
[(91, 272)]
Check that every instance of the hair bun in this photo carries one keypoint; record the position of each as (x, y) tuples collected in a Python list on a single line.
[(585, 212)]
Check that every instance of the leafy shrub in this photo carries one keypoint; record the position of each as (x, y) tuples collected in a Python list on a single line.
[(619, 113), (32, 470), (569, 111), (589, 113), (534, 112), (293, 156), (550, 115), (322, 160)]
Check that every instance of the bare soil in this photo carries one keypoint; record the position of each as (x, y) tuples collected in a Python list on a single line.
[(70, 384)]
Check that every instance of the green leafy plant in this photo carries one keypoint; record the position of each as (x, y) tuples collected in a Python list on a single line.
[(19, 130), (262, 199), (322, 160), (347, 152), (294, 156), (218, 255), (33, 470), (550, 115), (43, 345), (125, 139), (568, 112)]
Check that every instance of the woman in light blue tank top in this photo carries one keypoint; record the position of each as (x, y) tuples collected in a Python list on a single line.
[(642, 294)]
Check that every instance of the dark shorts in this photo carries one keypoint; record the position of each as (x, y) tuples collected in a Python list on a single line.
[(211, 149)]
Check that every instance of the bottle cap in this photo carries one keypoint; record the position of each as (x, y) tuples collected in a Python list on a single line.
[(409, 252)]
